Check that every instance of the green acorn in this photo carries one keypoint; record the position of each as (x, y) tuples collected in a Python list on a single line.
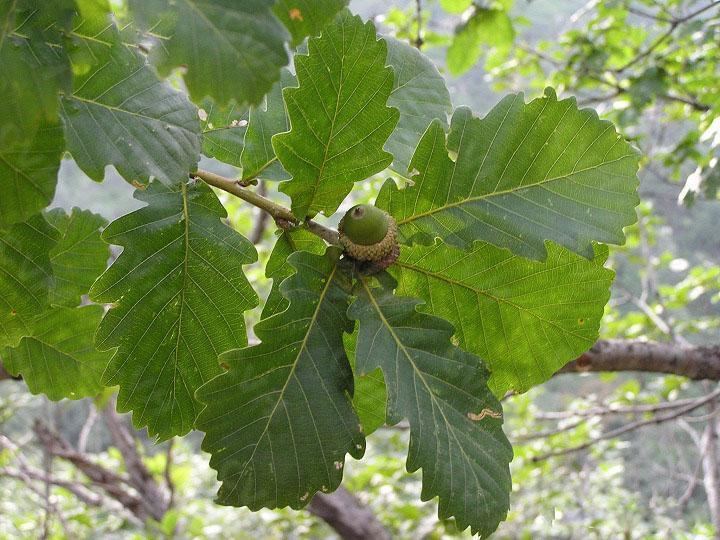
[(368, 233)]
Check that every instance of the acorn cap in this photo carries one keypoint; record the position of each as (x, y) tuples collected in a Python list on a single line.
[(368, 233)]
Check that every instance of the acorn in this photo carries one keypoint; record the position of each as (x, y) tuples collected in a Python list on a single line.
[(368, 234)]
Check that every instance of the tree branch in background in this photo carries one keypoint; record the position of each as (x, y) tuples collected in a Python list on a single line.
[(350, 518), (110, 482), (694, 362), (658, 419), (261, 219), (140, 478), (711, 468)]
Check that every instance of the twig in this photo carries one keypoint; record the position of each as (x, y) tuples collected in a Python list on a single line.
[(635, 409), (87, 428), (660, 40), (418, 15), (277, 211), (548, 432), (261, 219), (167, 473), (630, 427)]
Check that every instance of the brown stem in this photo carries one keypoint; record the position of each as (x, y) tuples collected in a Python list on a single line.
[(350, 518), (277, 211)]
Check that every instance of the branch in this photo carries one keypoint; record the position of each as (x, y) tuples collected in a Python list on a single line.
[(659, 419), (278, 212), (694, 362), (156, 499), (109, 481), (350, 518)]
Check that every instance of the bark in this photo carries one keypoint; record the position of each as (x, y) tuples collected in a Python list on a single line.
[(350, 518), (711, 469), (694, 362)]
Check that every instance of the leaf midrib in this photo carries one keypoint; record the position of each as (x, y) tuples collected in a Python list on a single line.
[(311, 324), (497, 299), (433, 397), (512, 190)]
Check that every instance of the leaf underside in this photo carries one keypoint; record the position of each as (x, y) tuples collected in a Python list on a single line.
[(456, 432), (25, 276), (179, 295), (280, 421), (231, 50)]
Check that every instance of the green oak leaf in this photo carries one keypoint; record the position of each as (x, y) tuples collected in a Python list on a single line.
[(307, 17), (370, 396), (485, 28), (258, 157), (525, 318), (59, 359), (34, 71), (34, 65), (28, 172), (279, 422), (223, 131), (231, 50), (178, 295), (420, 94), (456, 432), (278, 267), (80, 255), (524, 174), (25, 276), (119, 113), (338, 115)]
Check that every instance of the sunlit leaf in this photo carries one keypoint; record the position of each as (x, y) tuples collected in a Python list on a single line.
[(524, 174), (525, 318), (223, 131)]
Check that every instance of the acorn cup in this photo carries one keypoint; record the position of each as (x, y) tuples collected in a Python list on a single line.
[(369, 235)]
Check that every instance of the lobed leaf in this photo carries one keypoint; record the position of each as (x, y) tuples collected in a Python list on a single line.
[(278, 267), (25, 276), (28, 172), (524, 174), (370, 396), (231, 50), (223, 131), (279, 422), (420, 94), (119, 113), (79, 257), (338, 115), (258, 156), (456, 432), (307, 17), (31, 140), (178, 294), (526, 318), (59, 358)]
